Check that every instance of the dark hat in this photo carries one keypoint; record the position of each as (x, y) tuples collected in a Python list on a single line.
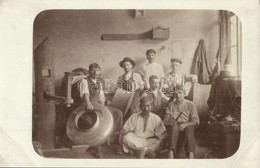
[(153, 77), (176, 60), (150, 51), (127, 59), (180, 87)]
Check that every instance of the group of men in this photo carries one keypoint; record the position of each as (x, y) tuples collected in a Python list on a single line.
[(152, 117)]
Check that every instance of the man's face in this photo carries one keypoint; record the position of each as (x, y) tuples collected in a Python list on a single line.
[(94, 73), (127, 66), (146, 107), (151, 57), (175, 67), (154, 84), (180, 94)]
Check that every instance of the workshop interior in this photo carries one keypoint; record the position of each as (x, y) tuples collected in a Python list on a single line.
[(66, 42)]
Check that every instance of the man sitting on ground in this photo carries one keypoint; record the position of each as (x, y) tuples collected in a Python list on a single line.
[(143, 132)]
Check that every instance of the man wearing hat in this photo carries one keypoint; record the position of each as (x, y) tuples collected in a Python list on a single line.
[(151, 68), (181, 119), (129, 81), (175, 77)]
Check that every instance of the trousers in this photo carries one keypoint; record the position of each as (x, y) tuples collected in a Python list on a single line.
[(132, 142), (118, 118), (177, 138)]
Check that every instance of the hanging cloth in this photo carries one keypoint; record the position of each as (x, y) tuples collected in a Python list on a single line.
[(223, 56), (201, 64)]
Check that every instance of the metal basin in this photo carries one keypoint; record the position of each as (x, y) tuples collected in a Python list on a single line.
[(90, 127)]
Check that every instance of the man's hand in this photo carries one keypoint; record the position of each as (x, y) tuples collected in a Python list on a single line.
[(124, 132), (172, 122), (108, 102), (182, 126), (194, 79), (89, 106), (102, 102)]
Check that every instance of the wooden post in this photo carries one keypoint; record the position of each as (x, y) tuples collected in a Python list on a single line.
[(45, 82)]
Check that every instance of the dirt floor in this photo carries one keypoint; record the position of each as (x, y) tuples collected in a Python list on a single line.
[(203, 150)]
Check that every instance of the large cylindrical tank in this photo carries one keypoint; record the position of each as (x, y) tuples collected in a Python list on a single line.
[(90, 127)]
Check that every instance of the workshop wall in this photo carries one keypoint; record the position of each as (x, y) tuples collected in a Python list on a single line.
[(76, 37)]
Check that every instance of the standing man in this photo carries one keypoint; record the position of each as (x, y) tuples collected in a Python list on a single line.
[(90, 88), (181, 119), (143, 132), (152, 68)]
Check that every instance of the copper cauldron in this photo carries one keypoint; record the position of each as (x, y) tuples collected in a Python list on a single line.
[(90, 127)]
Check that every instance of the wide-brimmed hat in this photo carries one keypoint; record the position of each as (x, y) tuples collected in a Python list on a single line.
[(176, 60), (127, 59)]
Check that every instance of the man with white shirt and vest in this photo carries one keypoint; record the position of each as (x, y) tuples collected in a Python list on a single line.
[(151, 68), (86, 89)]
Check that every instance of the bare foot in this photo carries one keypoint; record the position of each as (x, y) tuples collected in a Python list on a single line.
[(150, 153), (191, 155), (170, 154)]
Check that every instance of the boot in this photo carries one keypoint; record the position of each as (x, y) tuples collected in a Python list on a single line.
[(98, 152)]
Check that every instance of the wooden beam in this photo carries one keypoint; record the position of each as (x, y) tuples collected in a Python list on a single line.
[(157, 33), (145, 35)]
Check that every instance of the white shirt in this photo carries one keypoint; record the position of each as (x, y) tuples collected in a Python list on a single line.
[(154, 126), (83, 86), (151, 69)]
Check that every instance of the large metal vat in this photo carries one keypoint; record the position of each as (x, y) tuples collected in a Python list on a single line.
[(90, 127)]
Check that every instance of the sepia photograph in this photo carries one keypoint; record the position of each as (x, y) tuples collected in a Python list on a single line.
[(136, 83)]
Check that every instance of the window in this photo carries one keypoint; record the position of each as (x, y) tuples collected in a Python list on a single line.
[(236, 46)]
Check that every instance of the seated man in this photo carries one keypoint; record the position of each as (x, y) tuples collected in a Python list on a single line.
[(143, 132), (129, 81), (159, 100), (86, 89), (175, 77), (181, 119)]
